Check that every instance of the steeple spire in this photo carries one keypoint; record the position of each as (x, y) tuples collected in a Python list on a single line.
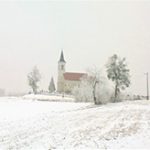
[(62, 57)]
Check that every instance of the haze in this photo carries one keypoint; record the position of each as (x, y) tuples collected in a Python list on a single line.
[(33, 33)]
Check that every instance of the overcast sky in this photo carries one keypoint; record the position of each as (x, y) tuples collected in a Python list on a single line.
[(33, 33)]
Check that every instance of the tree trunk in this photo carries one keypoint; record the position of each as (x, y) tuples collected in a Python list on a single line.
[(94, 97), (116, 92), (94, 92), (34, 90)]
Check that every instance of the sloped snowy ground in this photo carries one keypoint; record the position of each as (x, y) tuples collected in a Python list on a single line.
[(54, 98), (36, 125)]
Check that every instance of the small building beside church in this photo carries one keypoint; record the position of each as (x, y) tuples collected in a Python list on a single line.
[(66, 81)]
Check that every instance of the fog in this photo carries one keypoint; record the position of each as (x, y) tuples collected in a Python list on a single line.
[(33, 33)]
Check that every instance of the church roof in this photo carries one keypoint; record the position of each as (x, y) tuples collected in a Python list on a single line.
[(73, 76), (62, 57)]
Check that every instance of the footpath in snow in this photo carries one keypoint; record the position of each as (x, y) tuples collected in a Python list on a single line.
[(44, 125)]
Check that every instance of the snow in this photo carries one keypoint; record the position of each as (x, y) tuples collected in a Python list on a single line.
[(41, 97), (42, 125)]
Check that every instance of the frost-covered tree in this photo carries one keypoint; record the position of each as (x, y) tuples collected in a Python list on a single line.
[(83, 92), (118, 72), (33, 78), (93, 87), (94, 79), (51, 86)]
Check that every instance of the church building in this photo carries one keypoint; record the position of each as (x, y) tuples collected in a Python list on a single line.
[(66, 81)]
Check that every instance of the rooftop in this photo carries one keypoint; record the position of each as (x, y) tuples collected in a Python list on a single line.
[(73, 76)]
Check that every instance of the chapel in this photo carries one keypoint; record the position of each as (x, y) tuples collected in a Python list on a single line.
[(66, 81)]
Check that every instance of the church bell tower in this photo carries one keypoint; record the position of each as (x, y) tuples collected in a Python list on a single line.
[(61, 71)]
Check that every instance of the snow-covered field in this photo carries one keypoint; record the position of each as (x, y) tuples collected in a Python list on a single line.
[(49, 97), (44, 125)]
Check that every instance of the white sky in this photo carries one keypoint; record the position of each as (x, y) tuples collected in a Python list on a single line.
[(33, 33)]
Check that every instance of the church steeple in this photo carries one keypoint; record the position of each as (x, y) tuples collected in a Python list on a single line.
[(61, 71), (62, 57)]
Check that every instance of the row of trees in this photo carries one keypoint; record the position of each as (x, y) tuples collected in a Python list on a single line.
[(34, 78), (98, 88)]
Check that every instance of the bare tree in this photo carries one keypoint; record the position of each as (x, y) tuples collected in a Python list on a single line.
[(94, 79), (33, 78), (93, 87)]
